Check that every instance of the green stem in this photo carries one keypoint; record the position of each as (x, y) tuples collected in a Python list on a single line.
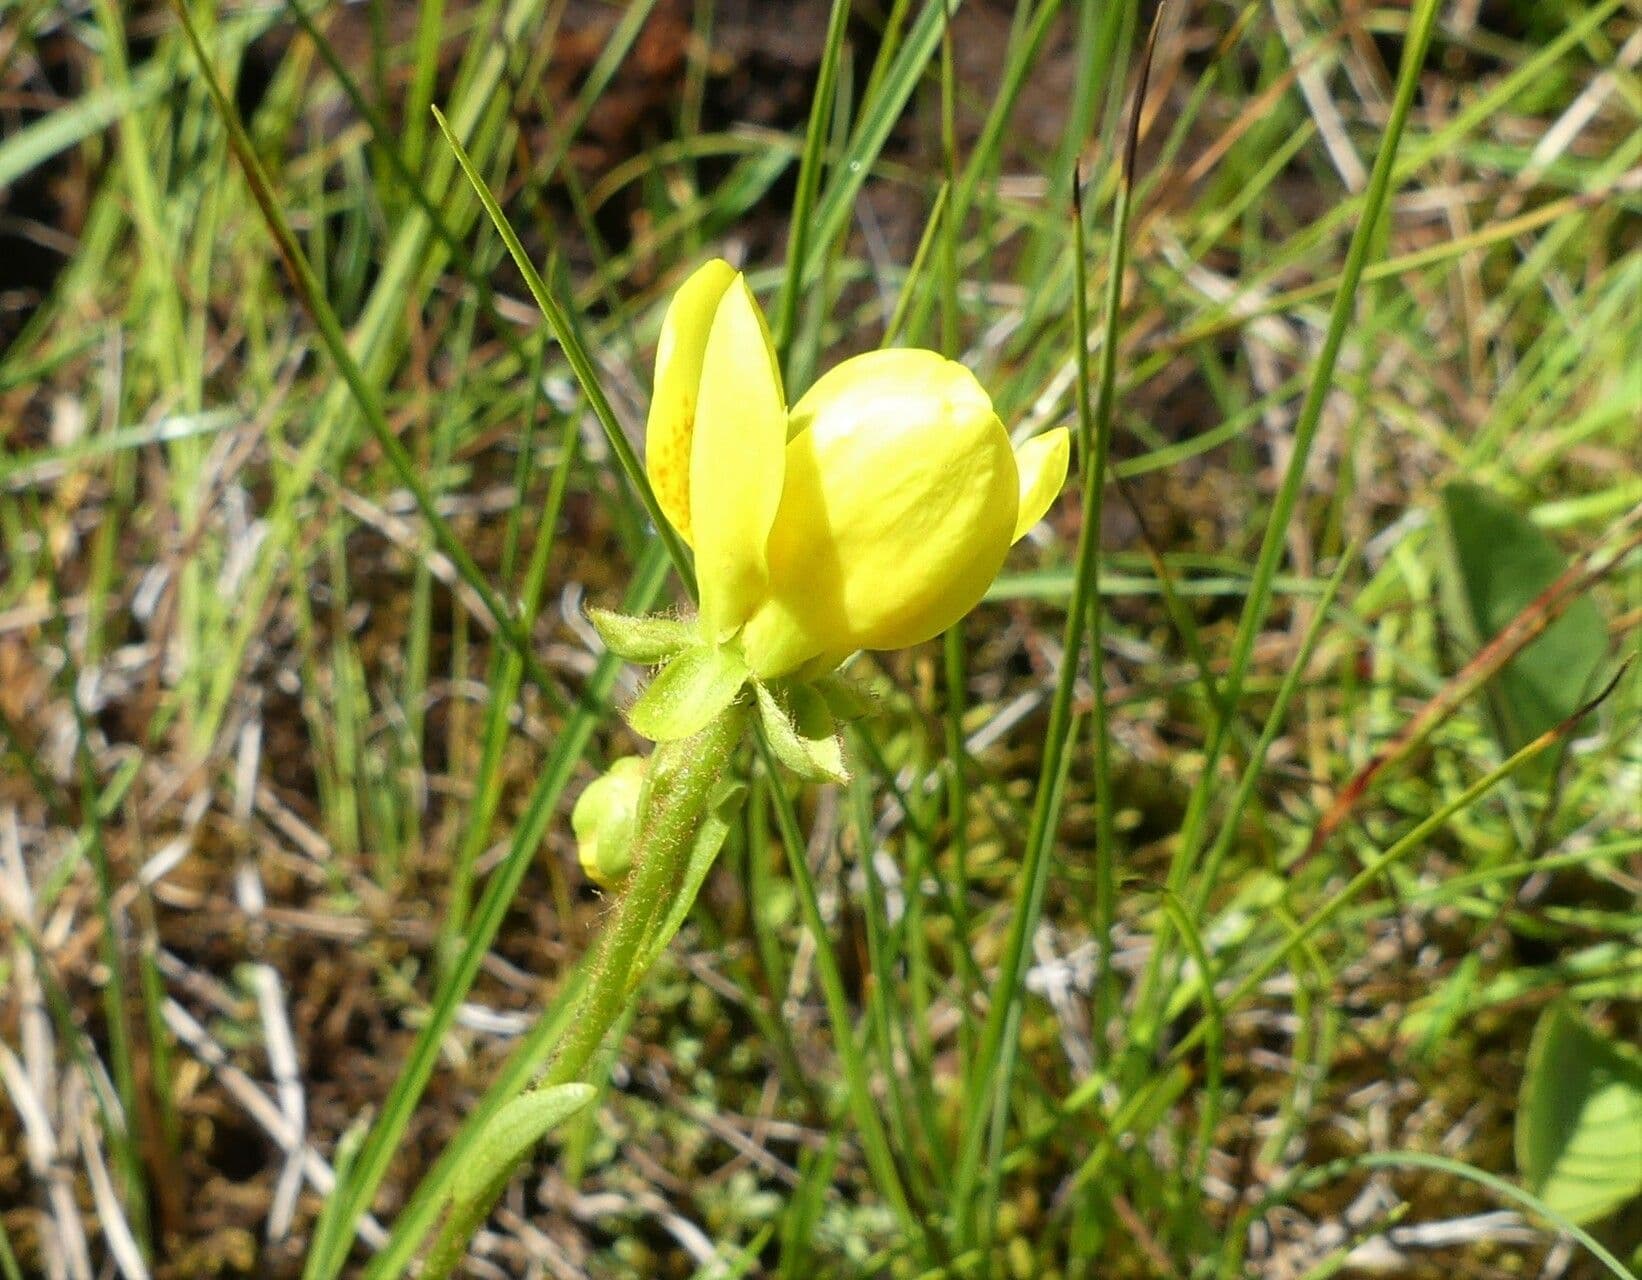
[(681, 779)]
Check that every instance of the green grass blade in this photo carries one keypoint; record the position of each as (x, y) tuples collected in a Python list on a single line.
[(31, 146), (1505, 1191), (863, 1106), (994, 1061), (809, 181), (348, 1203), (1273, 542), (581, 363), (336, 344), (882, 109)]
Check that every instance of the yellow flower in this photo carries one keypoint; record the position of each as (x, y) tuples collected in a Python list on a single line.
[(872, 515)]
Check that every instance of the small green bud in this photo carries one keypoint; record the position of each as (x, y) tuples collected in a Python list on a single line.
[(603, 821)]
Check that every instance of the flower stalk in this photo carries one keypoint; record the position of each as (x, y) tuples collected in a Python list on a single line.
[(681, 780), (675, 835)]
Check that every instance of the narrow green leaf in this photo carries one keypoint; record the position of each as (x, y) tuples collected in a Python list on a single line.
[(517, 1127), (878, 120), (1579, 1128), (1499, 562), (809, 178), (803, 1211), (689, 691), (29, 147), (1503, 1189), (990, 1073), (349, 1201), (579, 358), (647, 640), (1275, 540), (864, 1107), (912, 282), (336, 343)]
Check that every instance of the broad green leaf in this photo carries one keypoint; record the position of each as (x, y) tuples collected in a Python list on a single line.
[(688, 692), (647, 640), (518, 1126), (1500, 561), (1579, 1126)]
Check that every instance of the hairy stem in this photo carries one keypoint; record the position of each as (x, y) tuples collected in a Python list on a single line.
[(678, 789)]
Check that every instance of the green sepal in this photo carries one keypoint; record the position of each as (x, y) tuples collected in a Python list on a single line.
[(844, 698), (514, 1129), (688, 693), (803, 734), (646, 640)]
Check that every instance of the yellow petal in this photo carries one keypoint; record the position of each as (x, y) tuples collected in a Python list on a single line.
[(899, 501), (736, 461), (672, 421), (1042, 463), (874, 385)]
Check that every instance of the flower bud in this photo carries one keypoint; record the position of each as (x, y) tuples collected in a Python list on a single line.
[(604, 819)]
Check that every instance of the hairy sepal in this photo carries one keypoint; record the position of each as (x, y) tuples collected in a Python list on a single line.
[(648, 640), (802, 732), (689, 692)]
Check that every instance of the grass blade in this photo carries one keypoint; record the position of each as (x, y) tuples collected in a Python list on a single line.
[(1272, 544), (994, 1062), (336, 344), (581, 363), (348, 1203)]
